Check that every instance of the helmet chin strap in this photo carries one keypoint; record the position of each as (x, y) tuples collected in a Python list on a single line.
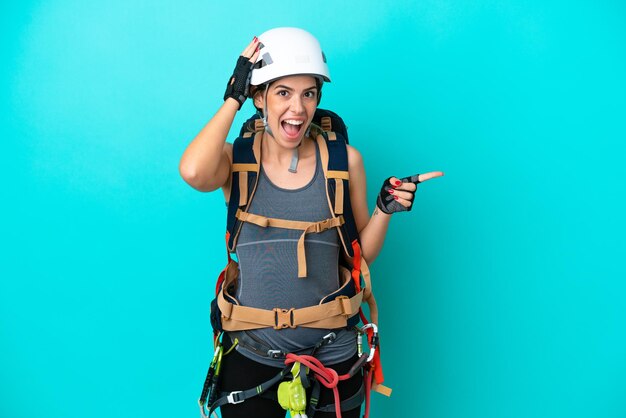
[(293, 167), (265, 124), (295, 157)]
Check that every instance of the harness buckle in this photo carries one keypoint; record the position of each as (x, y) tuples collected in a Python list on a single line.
[(275, 354), (329, 338), (283, 318), (232, 395)]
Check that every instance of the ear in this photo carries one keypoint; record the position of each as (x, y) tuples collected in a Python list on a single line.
[(258, 99)]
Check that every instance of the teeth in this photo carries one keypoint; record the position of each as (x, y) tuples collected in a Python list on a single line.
[(294, 122)]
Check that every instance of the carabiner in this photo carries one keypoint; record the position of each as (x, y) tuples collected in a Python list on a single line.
[(369, 325), (374, 341)]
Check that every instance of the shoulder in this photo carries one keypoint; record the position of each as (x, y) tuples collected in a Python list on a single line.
[(355, 159)]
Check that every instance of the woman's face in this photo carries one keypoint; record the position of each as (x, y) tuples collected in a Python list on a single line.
[(291, 104)]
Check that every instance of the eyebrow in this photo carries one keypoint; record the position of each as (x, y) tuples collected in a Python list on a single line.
[(290, 89)]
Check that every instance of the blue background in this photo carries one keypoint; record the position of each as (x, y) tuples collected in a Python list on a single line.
[(502, 294)]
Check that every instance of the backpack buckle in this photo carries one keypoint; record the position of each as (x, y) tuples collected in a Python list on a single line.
[(322, 226), (283, 318)]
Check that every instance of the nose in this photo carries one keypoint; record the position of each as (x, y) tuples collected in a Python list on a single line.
[(296, 105)]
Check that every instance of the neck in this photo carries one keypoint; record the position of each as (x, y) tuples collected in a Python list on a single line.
[(275, 154)]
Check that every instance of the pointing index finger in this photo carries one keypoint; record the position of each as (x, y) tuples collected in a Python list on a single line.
[(430, 175)]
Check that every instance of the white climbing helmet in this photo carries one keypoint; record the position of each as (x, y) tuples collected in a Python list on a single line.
[(288, 51)]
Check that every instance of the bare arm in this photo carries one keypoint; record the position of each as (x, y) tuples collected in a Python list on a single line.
[(372, 230), (205, 164)]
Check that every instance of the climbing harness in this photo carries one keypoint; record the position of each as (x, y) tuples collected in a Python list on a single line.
[(292, 381), (340, 309)]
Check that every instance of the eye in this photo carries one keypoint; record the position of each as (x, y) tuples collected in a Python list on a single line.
[(283, 93), (311, 94)]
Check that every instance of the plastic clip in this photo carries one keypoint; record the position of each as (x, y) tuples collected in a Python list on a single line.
[(329, 338), (231, 397), (283, 318), (275, 354)]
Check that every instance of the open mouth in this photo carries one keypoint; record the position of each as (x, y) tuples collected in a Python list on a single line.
[(292, 127)]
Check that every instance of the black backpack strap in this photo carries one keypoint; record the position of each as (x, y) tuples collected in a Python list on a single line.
[(334, 155), (245, 172), (244, 178)]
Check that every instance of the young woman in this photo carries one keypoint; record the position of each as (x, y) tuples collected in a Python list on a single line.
[(283, 71)]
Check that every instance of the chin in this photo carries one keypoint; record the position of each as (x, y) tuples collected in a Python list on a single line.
[(288, 142), (291, 143)]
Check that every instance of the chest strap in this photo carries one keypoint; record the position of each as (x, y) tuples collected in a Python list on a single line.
[(305, 227), (329, 315)]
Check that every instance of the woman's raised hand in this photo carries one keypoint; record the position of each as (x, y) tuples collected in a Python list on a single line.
[(238, 86), (396, 195)]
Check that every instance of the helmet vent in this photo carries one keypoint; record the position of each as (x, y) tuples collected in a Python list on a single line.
[(265, 60)]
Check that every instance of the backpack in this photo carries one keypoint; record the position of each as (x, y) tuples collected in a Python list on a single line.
[(341, 308)]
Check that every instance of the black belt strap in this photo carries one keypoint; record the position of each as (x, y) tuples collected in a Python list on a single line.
[(254, 345), (236, 397), (239, 396), (352, 402)]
